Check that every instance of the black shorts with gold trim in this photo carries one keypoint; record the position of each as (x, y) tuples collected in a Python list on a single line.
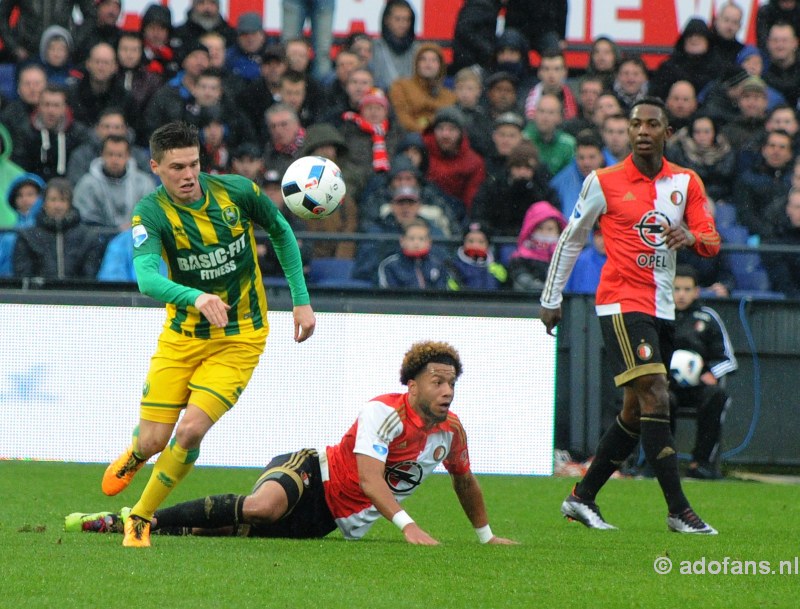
[(308, 515), (637, 344)]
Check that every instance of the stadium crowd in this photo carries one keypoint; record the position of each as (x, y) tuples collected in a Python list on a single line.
[(441, 155)]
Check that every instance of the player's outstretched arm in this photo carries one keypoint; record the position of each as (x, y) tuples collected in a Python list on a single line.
[(304, 322), (370, 476), (471, 498)]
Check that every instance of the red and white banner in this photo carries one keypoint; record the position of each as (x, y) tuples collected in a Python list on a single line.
[(650, 23)]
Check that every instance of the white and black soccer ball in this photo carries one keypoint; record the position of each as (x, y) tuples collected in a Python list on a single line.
[(313, 187), (686, 367)]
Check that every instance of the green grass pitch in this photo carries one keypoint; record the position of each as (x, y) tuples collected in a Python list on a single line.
[(558, 564)]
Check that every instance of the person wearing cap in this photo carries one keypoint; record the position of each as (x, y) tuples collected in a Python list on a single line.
[(170, 101), (203, 17), (100, 87), (726, 24), (454, 166), (23, 21), (442, 211), (719, 99), (371, 133), (244, 57), (752, 61), (103, 28), (417, 98), (745, 132), (404, 208), (473, 266), (501, 204), (693, 59), (258, 95), (506, 135), (783, 71), (556, 148), (569, 181)]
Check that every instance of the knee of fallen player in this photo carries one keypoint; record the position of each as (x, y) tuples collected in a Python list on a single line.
[(267, 505)]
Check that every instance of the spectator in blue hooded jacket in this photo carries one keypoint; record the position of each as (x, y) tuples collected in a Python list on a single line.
[(25, 198)]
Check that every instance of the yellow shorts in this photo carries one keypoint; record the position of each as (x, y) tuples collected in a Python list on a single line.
[(208, 373)]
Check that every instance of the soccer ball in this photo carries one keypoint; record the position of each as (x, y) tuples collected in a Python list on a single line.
[(313, 187), (686, 367)]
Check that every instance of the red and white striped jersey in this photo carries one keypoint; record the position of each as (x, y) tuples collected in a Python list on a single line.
[(389, 430), (632, 209)]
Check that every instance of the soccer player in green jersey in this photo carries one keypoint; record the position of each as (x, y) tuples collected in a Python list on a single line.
[(216, 328)]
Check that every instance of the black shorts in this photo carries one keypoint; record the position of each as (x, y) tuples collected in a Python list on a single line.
[(637, 344), (308, 515)]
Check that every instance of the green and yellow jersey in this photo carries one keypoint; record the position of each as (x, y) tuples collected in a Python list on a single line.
[(209, 247)]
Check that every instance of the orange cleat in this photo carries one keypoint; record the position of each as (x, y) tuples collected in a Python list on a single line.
[(119, 474), (137, 533)]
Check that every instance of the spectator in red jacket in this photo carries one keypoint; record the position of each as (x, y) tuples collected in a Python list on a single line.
[(454, 166)]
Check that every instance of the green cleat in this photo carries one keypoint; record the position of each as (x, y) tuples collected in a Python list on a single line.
[(99, 522)]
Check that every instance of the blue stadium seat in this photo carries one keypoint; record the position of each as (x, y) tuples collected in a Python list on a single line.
[(8, 81), (504, 253), (724, 214), (733, 233)]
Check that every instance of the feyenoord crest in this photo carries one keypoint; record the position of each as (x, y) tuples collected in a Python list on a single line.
[(676, 197), (644, 351)]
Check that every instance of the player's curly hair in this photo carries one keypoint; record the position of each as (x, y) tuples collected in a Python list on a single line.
[(423, 353)]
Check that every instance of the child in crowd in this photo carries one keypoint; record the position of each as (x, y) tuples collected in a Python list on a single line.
[(55, 56), (474, 267), (25, 198), (469, 88), (415, 266), (536, 243)]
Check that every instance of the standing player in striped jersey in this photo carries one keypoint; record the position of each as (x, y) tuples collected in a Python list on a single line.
[(394, 445), (647, 209), (216, 328)]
